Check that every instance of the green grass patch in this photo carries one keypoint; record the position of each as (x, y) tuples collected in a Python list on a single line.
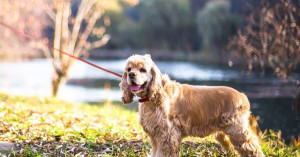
[(51, 127)]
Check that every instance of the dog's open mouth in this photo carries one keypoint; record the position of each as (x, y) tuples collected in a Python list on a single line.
[(135, 87)]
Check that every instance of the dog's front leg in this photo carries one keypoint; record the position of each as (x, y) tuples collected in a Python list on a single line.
[(168, 147), (153, 146), (168, 150)]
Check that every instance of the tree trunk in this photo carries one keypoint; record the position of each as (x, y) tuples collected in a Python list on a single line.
[(57, 80)]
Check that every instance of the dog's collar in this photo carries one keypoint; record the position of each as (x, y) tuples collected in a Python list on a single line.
[(144, 99)]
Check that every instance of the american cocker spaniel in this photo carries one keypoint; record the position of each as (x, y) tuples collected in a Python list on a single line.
[(170, 111)]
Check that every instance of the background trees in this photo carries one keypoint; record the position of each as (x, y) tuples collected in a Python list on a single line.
[(216, 24), (168, 24), (271, 37), (154, 24)]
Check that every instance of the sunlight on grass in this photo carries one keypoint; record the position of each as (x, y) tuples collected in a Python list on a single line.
[(51, 127)]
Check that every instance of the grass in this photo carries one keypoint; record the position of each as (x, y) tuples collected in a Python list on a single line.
[(51, 127)]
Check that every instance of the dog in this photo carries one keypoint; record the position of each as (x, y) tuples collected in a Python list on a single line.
[(170, 111)]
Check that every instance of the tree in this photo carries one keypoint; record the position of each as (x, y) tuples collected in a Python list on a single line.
[(271, 37), (168, 24), (72, 29), (216, 24)]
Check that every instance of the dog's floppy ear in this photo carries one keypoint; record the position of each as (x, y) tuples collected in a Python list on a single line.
[(156, 87), (127, 94)]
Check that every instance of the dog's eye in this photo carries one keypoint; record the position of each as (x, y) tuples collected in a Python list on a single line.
[(129, 69), (142, 70)]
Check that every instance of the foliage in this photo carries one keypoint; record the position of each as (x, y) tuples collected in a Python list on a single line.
[(51, 127), (155, 24), (167, 24), (271, 37), (216, 24), (273, 145), (125, 32)]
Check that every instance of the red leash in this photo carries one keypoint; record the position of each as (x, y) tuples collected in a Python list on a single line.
[(60, 51)]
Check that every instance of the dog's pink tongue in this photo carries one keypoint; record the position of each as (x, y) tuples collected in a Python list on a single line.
[(134, 88)]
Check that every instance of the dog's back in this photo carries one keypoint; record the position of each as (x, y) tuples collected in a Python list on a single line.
[(202, 107)]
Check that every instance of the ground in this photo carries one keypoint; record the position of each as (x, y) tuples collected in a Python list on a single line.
[(38, 126)]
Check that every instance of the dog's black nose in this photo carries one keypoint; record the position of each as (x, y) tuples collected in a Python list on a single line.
[(131, 75)]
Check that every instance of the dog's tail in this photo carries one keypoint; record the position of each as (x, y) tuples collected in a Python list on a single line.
[(244, 103)]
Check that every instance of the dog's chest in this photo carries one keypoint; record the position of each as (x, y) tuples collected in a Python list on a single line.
[(152, 118)]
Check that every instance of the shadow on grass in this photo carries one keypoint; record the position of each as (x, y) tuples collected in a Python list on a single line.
[(131, 148), (73, 148)]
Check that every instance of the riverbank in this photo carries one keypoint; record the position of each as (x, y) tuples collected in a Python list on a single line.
[(51, 127)]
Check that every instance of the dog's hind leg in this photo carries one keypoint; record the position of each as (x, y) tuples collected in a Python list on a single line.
[(224, 140), (243, 139)]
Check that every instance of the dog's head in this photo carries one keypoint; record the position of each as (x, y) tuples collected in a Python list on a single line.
[(141, 78)]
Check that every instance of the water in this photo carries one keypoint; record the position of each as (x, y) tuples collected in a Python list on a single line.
[(276, 102)]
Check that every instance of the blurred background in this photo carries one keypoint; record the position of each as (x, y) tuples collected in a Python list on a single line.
[(250, 45)]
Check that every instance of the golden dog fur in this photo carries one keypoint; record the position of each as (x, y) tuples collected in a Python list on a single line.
[(176, 110)]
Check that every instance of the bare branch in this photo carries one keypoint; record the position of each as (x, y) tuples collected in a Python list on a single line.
[(98, 43), (84, 7), (91, 23), (65, 30), (57, 34)]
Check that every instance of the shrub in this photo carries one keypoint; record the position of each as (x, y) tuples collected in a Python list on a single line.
[(155, 24), (216, 24)]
